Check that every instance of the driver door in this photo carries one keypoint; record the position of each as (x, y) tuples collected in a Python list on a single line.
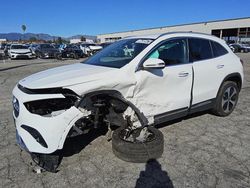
[(165, 94)]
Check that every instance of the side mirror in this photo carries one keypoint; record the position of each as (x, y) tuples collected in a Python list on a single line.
[(153, 63)]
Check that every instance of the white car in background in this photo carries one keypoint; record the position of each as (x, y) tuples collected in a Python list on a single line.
[(160, 78), (19, 51), (90, 48)]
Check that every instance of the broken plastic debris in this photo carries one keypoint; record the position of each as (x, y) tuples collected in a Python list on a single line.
[(38, 170)]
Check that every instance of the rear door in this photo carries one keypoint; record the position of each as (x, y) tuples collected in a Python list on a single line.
[(208, 70)]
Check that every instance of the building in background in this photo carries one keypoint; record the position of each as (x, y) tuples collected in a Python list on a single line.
[(3, 40), (75, 41), (231, 30)]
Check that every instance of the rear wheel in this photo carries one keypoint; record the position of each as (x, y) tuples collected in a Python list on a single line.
[(227, 99), (138, 152)]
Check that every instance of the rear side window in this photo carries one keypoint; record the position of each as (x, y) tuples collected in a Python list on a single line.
[(218, 50), (199, 49)]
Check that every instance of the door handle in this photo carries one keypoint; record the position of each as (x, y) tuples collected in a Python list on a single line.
[(183, 74), (220, 66)]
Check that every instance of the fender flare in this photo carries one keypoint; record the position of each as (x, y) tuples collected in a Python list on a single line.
[(232, 75)]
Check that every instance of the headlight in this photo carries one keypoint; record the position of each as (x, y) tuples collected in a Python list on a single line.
[(15, 106), (50, 107)]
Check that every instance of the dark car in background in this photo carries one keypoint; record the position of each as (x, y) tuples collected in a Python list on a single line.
[(237, 47), (46, 51), (57, 46), (6, 49), (33, 47), (2, 54), (70, 51)]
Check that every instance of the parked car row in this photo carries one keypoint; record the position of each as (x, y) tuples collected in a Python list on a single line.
[(46, 50)]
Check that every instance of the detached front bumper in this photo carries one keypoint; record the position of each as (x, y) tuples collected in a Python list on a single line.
[(40, 134)]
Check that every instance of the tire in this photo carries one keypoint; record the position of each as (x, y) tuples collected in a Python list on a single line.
[(59, 56), (227, 95), (40, 56), (138, 152)]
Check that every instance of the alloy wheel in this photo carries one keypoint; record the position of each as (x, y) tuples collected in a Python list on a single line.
[(229, 99)]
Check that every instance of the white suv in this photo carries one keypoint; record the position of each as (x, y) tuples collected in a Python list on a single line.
[(128, 87)]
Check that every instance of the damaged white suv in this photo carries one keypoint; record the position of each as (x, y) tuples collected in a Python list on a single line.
[(128, 87)]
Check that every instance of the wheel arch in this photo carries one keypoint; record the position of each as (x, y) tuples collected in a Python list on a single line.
[(235, 77), (114, 94), (118, 96)]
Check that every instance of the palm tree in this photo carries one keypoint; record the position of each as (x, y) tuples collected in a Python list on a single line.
[(24, 28)]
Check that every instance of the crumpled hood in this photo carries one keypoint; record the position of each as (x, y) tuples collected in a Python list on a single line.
[(64, 76)]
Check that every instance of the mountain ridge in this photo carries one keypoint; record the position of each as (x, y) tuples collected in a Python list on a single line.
[(14, 36)]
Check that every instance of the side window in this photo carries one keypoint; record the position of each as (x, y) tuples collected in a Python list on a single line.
[(199, 49), (218, 50), (172, 52)]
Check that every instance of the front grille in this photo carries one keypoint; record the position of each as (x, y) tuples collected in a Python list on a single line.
[(22, 52), (22, 56)]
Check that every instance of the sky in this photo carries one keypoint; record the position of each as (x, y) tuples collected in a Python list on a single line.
[(70, 17)]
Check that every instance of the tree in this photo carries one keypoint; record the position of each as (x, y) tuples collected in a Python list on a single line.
[(33, 39), (59, 40), (83, 39), (24, 28)]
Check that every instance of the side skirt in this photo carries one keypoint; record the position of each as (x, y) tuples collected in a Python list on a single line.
[(202, 106), (182, 112), (171, 115)]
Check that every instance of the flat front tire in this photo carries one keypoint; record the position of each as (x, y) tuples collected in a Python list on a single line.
[(138, 152)]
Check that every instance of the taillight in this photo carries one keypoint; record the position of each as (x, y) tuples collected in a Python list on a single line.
[(242, 62)]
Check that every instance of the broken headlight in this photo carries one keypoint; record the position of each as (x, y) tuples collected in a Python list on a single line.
[(50, 107)]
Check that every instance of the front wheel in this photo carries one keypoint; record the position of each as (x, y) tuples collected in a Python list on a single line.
[(227, 99), (138, 152)]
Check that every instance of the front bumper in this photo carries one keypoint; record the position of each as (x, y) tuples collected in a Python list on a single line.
[(21, 56), (49, 55), (53, 130)]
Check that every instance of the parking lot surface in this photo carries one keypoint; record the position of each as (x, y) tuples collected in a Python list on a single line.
[(199, 151)]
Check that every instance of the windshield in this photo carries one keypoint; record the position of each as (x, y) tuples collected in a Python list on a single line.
[(72, 46), (91, 45), (119, 54), (46, 46), (19, 47)]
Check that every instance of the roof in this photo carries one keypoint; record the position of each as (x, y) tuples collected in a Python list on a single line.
[(170, 33)]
